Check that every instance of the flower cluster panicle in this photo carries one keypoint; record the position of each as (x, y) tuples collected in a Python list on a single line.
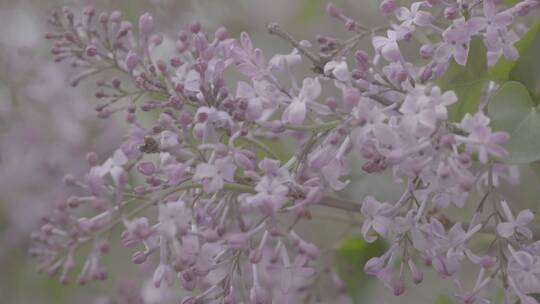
[(227, 205)]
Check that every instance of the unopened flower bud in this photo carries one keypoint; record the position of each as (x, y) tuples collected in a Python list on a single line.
[(332, 11), (146, 24), (426, 51), (374, 265), (451, 13), (131, 61), (388, 6), (139, 257), (91, 50), (195, 27), (221, 34), (92, 159)]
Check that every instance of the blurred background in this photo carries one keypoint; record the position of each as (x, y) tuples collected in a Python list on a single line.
[(46, 128)]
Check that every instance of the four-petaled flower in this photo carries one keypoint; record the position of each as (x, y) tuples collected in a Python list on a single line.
[(213, 176), (377, 216), (515, 226), (296, 112)]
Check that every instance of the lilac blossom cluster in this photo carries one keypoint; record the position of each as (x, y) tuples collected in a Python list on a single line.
[(226, 205)]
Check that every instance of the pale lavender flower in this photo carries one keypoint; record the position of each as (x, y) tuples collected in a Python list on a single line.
[(206, 160), (414, 15), (456, 40), (213, 176), (296, 111), (481, 139), (499, 40), (523, 271), (423, 112), (377, 216), (388, 46), (515, 225)]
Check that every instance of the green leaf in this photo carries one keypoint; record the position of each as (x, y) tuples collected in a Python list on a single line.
[(351, 257), (509, 106), (524, 143), (527, 69), (444, 299), (536, 296), (513, 111), (510, 2), (466, 81), (504, 67)]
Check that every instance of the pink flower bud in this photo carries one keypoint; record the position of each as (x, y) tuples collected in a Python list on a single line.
[(156, 40), (146, 168), (103, 246), (417, 274), (195, 27), (146, 24), (221, 34), (332, 11), (426, 73), (374, 265), (73, 202), (398, 286), (243, 161), (523, 8), (116, 16), (388, 6), (451, 13), (139, 257), (91, 51), (199, 42), (103, 18), (426, 51), (131, 61)]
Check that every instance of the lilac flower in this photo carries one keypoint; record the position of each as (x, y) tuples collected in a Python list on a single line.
[(174, 218), (515, 226), (283, 62), (213, 176), (163, 273), (498, 39), (296, 111), (251, 61), (473, 296), (227, 214), (210, 119), (290, 277), (271, 195), (414, 15), (261, 97), (456, 40), (422, 112), (388, 46), (331, 165), (480, 139), (523, 270), (339, 69), (377, 216)]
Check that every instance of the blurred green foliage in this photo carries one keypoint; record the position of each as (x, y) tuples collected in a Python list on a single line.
[(351, 257), (467, 81), (444, 299)]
